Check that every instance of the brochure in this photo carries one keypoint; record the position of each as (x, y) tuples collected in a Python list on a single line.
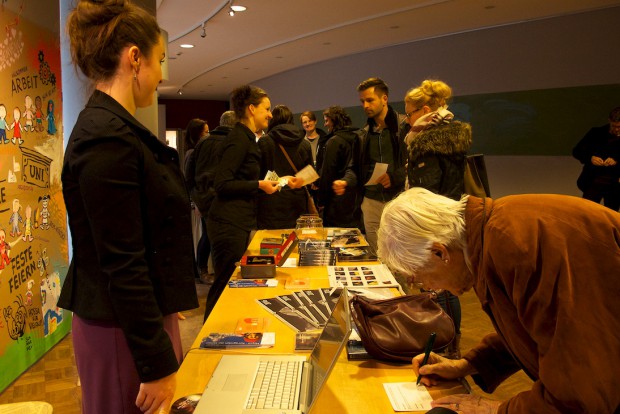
[(250, 283), (347, 238), (356, 254), (361, 276), (217, 340), (308, 174), (291, 317), (305, 341), (317, 312)]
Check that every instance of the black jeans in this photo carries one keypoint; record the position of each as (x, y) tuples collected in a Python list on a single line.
[(203, 250), (228, 244), (609, 193)]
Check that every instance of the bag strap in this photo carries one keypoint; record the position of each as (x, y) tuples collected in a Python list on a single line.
[(293, 165), (287, 157)]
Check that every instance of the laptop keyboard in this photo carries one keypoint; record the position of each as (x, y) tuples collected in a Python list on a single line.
[(275, 385)]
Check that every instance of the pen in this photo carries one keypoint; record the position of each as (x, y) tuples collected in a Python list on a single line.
[(427, 352)]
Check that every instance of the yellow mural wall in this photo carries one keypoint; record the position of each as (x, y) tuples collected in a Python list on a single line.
[(33, 230)]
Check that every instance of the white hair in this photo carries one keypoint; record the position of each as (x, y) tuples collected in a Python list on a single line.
[(412, 222)]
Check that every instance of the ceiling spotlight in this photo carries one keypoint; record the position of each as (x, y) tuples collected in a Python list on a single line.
[(180, 91), (235, 8), (203, 33)]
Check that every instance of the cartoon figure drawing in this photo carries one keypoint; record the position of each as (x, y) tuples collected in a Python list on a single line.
[(4, 250), (51, 124), (15, 219), (17, 127), (28, 114), (28, 225), (3, 125), (38, 114), (43, 262), (15, 319), (44, 213), (52, 314), (28, 301)]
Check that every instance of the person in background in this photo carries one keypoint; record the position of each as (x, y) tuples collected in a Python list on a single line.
[(237, 184), (206, 158), (599, 152), (317, 139), (436, 150), (315, 136), (196, 131), (380, 143), (282, 209), (544, 268), (121, 285), (426, 107), (339, 210)]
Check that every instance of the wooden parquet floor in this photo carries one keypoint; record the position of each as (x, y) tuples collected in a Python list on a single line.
[(54, 377)]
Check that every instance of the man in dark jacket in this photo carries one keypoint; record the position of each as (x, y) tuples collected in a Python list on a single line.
[(599, 152), (380, 143), (206, 156)]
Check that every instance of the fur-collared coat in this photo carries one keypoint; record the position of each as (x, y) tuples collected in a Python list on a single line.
[(436, 160)]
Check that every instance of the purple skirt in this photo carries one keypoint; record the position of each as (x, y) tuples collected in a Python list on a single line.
[(107, 371)]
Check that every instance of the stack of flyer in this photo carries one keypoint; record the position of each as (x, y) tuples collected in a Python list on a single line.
[(303, 310)]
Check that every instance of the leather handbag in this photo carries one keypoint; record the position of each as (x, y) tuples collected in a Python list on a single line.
[(310, 206), (397, 329), (476, 179)]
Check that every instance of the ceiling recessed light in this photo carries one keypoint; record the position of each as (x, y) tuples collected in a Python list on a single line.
[(238, 8), (327, 43), (394, 27), (187, 46), (278, 57)]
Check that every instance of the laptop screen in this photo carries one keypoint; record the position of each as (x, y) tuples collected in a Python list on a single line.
[(329, 345)]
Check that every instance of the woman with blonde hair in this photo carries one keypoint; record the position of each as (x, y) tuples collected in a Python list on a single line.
[(436, 149)]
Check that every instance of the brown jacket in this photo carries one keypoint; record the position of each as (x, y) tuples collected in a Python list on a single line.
[(547, 269)]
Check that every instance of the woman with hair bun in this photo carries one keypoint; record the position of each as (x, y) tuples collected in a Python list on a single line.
[(133, 266), (237, 185), (436, 149)]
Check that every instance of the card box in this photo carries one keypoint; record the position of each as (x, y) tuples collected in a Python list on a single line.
[(264, 266)]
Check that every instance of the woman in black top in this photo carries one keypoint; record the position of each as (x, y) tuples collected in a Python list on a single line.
[(133, 266), (233, 213), (281, 210)]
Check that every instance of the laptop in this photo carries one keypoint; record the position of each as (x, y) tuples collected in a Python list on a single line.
[(233, 387)]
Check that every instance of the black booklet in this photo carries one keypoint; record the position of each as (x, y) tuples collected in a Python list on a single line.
[(356, 350), (292, 317), (315, 305)]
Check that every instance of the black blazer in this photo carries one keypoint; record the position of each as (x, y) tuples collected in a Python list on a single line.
[(236, 180), (129, 216)]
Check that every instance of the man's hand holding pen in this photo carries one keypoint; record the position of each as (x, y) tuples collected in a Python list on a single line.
[(437, 368)]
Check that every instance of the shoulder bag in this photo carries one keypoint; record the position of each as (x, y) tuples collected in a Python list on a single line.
[(311, 208), (397, 329)]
